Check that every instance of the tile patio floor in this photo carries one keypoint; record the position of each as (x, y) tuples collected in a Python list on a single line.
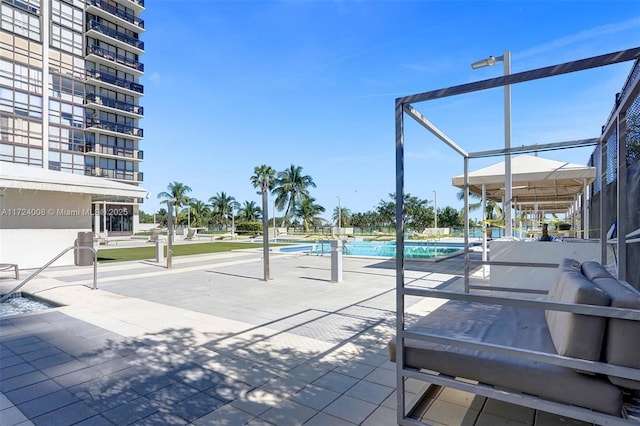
[(209, 343)]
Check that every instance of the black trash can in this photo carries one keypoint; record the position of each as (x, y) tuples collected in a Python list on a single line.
[(84, 257)]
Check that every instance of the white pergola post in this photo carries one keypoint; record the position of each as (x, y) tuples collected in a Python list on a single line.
[(507, 145), (518, 220), (585, 209), (484, 229), (104, 218)]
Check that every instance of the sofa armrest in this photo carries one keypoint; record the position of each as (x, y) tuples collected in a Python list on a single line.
[(577, 335)]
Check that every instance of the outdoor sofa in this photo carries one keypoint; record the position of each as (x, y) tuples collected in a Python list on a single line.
[(569, 361)]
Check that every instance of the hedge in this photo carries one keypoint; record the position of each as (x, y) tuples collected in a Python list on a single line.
[(249, 228)]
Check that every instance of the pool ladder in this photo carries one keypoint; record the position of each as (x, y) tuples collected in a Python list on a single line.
[(32, 276)]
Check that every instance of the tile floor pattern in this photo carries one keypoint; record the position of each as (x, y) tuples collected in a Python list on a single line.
[(205, 343), (209, 343), (60, 370)]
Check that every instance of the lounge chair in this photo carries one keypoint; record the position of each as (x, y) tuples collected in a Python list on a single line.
[(101, 238), (191, 234), (154, 235), (226, 236), (7, 266)]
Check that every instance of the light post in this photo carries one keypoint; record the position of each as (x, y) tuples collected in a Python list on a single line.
[(264, 187), (188, 217), (170, 204), (233, 225), (506, 60), (339, 215), (104, 218), (435, 208)]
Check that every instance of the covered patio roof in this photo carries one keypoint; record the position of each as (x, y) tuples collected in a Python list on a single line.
[(552, 185), (20, 176)]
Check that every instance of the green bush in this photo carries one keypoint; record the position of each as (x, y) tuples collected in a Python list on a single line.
[(249, 228)]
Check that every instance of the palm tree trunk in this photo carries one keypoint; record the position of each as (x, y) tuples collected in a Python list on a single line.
[(287, 212)]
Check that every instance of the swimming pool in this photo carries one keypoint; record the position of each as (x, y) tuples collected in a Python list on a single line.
[(297, 248), (22, 304), (412, 250)]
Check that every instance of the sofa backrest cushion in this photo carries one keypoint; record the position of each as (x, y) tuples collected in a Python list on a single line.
[(575, 335), (593, 270), (622, 337), (566, 264)]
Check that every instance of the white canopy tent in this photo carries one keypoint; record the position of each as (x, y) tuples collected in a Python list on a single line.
[(549, 185)]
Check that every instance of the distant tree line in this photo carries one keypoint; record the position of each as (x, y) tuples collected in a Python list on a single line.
[(295, 205)]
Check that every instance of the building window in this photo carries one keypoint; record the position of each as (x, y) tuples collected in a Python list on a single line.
[(18, 130), (66, 114), (21, 154), (67, 15), (66, 40), (20, 77), (67, 139), (20, 22), (20, 103), (66, 162)]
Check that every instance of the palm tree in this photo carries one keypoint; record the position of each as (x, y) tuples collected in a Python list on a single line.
[(161, 217), (176, 191), (291, 188), (249, 211), (493, 212), (264, 178), (343, 214), (308, 212), (222, 206), (199, 212)]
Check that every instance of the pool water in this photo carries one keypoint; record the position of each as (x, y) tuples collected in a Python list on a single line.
[(412, 250), (22, 304)]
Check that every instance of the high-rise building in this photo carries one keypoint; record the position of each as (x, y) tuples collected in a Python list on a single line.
[(70, 95)]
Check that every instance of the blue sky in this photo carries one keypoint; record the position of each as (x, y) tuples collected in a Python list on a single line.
[(231, 85)]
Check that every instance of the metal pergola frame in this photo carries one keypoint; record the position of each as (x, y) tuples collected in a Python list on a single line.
[(405, 106)]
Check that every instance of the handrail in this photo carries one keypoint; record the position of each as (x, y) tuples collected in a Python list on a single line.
[(95, 270)]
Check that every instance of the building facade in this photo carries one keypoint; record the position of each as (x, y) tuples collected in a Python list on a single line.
[(70, 95)]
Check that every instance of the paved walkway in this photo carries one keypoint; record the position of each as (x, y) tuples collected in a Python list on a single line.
[(209, 342)]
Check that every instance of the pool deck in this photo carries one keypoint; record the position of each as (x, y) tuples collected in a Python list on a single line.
[(210, 342)]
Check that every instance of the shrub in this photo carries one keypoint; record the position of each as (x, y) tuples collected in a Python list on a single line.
[(249, 228)]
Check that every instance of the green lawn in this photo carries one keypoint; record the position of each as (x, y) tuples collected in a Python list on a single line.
[(142, 253)]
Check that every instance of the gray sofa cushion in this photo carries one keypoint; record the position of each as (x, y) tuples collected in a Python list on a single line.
[(622, 337), (566, 265), (593, 270), (508, 326), (575, 335)]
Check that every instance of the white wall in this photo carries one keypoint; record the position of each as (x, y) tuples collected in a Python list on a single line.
[(141, 227), (37, 225), (32, 248), (135, 221), (535, 252)]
